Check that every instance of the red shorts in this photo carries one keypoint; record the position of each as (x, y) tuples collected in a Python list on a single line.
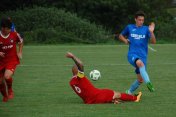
[(103, 96), (9, 66)]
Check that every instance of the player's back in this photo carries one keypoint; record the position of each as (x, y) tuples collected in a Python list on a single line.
[(84, 89)]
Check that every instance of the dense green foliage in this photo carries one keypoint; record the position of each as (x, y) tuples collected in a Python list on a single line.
[(116, 14), (112, 15), (50, 25)]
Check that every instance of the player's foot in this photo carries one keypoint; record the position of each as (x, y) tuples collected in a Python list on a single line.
[(138, 97), (150, 87), (5, 99), (128, 92), (10, 94)]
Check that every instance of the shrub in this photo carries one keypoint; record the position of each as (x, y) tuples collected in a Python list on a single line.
[(50, 25)]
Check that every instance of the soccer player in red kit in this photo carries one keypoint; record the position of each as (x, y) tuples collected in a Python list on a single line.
[(90, 94), (9, 58)]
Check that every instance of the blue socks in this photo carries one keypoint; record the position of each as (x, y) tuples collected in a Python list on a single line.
[(144, 74), (136, 83), (134, 86)]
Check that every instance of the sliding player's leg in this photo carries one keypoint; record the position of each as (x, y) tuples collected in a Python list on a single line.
[(126, 97)]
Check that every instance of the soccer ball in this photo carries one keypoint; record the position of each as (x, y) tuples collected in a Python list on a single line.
[(95, 75)]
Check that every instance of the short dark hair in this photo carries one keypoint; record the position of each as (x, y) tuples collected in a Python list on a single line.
[(6, 23), (139, 13)]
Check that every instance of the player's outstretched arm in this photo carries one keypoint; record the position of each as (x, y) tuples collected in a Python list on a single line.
[(151, 29), (77, 61)]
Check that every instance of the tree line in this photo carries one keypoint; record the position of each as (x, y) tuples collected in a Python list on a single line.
[(113, 15)]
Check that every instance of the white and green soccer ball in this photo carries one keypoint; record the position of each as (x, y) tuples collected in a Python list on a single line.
[(95, 75)]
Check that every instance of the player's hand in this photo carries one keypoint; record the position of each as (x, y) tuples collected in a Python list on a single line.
[(69, 55), (2, 54), (20, 55), (127, 41), (152, 27)]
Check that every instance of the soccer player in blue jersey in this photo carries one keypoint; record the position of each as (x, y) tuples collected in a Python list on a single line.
[(137, 37)]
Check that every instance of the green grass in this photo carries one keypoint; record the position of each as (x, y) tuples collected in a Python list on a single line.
[(41, 83)]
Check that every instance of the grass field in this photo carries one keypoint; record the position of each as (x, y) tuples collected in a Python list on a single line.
[(42, 90)]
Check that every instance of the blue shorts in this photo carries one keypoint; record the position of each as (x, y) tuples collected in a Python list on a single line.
[(132, 58)]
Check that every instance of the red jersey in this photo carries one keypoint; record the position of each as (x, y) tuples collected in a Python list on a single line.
[(90, 95), (8, 46)]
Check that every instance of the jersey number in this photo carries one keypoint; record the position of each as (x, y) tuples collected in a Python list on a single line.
[(77, 89)]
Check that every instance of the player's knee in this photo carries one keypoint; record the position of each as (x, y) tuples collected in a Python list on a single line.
[(7, 76), (140, 81), (116, 95), (139, 63)]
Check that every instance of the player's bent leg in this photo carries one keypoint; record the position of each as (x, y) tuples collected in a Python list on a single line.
[(144, 75), (135, 84), (132, 60), (139, 63), (9, 86), (124, 96), (3, 90), (116, 95), (8, 74), (142, 71), (8, 78), (102, 96)]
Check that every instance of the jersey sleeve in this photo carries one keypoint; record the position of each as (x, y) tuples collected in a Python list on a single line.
[(80, 74), (19, 38), (125, 32)]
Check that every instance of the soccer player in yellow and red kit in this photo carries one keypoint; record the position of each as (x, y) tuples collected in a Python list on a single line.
[(9, 57), (90, 94)]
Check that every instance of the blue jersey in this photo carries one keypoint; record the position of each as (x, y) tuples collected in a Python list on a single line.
[(138, 37)]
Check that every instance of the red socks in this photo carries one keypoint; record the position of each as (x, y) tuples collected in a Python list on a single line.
[(127, 97), (3, 89), (9, 83)]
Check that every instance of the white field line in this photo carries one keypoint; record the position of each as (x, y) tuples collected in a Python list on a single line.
[(41, 65), (57, 52), (152, 49), (85, 46)]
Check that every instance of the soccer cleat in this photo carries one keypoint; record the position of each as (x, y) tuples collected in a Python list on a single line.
[(5, 99), (138, 97), (10, 94), (150, 87)]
